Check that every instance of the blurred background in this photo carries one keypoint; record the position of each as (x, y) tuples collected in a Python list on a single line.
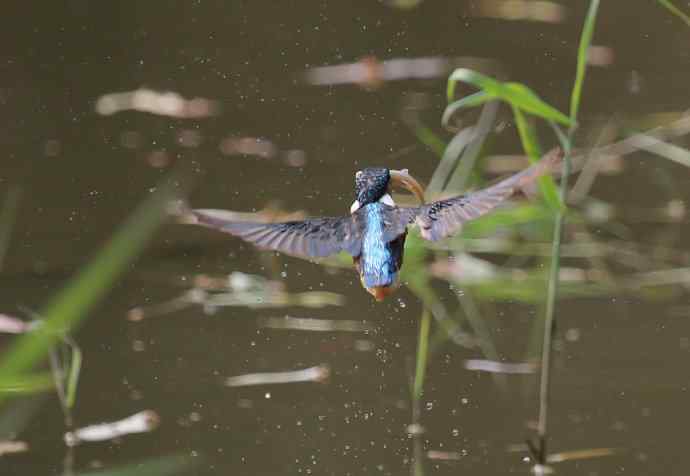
[(276, 105)]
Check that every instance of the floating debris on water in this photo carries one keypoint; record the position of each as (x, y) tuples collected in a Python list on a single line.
[(256, 146), (319, 374), (141, 422), (581, 454), (236, 289), (492, 366), (370, 72), (11, 446), (317, 325), (169, 104), (537, 11), (415, 429), (445, 455), (14, 325)]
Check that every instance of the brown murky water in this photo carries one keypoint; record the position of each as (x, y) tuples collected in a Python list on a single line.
[(620, 375)]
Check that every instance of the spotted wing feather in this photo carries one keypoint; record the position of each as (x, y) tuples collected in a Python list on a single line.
[(443, 218), (311, 238)]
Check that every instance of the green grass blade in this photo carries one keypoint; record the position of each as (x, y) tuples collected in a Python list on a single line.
[(521, 96), (585, 41), (554, 269), (27, 384), (89, 286), (473, 100), (515, 94), (675, 11), (528, 136), (488, 85), (427, 137), (73, 375), (530, 143), (448, 161), (422, 356)]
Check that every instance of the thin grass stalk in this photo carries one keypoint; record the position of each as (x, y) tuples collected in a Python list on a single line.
[(585, 41), (554, 270), (675, 11), (74, 372), (418, 388), (487, 118), (57, 367), (418, 451), (448, 162), (547, 344), (482, 331), (422, 356)]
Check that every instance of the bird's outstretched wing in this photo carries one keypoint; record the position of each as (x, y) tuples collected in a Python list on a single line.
[(438, 220), (310, 238)]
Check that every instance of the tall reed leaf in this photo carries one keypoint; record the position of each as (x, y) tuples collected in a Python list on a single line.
[(473, 100), (675, 11), (530, 143), (515, 94), (585, 41), (422, 355), (554, 269), (79, 296)]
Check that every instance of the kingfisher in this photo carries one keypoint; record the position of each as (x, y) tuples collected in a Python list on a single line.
[(374, 232)]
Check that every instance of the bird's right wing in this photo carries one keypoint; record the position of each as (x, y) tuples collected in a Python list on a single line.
[(310, 238)]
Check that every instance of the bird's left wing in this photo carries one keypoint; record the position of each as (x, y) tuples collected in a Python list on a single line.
[(310, 238), (442, 218)]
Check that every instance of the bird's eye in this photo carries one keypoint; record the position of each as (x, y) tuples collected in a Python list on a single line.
[(358, 174)]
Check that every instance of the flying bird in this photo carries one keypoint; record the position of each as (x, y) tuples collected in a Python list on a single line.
[(374, 232)]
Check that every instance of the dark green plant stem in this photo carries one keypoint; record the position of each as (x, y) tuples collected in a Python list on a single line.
[(554, 270), (551, 294)]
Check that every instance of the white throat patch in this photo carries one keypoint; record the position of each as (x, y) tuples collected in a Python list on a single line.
[(386, 200)]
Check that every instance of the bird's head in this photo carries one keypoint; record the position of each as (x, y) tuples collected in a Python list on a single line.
[(374, 184), (371, 184)]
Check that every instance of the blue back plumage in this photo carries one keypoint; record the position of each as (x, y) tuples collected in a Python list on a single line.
[(376, 261)]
